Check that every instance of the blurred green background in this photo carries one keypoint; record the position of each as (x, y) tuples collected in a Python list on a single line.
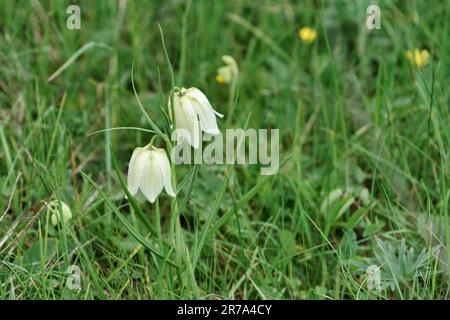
[(367, 132)]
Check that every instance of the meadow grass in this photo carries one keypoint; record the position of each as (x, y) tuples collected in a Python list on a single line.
[(364, 136)]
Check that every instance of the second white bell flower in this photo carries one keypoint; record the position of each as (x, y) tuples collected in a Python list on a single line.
[(59, 211), (149, 172), (193, 114)]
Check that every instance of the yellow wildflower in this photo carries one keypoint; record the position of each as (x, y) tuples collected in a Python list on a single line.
[(308, 35), (418, 57), (220, 79), (229, 72)]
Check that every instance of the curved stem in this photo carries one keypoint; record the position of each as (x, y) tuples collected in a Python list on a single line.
[(150, 121), (231, 102)]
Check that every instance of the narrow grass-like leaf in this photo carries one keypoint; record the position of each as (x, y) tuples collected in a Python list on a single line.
[(134, 233), (212, 214), (247, 197), (193, 176), (142, 217), (76, 55)]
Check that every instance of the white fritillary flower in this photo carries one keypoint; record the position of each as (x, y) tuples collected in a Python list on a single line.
[(57, 210), (149, 171), (193, 113)]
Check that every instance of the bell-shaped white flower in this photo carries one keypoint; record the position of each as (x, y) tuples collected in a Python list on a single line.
[(229, 72), (193, 113), (149, 171), (58, 210)]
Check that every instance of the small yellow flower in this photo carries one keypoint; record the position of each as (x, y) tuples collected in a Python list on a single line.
[(308, 35), (418, 57), (228, 73), (220, 79)]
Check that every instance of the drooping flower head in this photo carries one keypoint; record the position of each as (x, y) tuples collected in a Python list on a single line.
[(229, 72), (149, 172), (307, 34), (193, 113), (59, 210), (418, 57)]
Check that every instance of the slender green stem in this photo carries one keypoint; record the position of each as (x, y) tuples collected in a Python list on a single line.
[(172, 77), (176, 231), (150, 121), (231, 101), (158, 220), (5, 147), (184, 29)]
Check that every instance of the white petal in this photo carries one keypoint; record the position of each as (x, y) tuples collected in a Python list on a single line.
[(135, 170), (231, 64), (54, 219), (208, 122), (196, 94), (164, 166), (186, 118), (67, 213), (151, 184), (54, 207), (226, 73)]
